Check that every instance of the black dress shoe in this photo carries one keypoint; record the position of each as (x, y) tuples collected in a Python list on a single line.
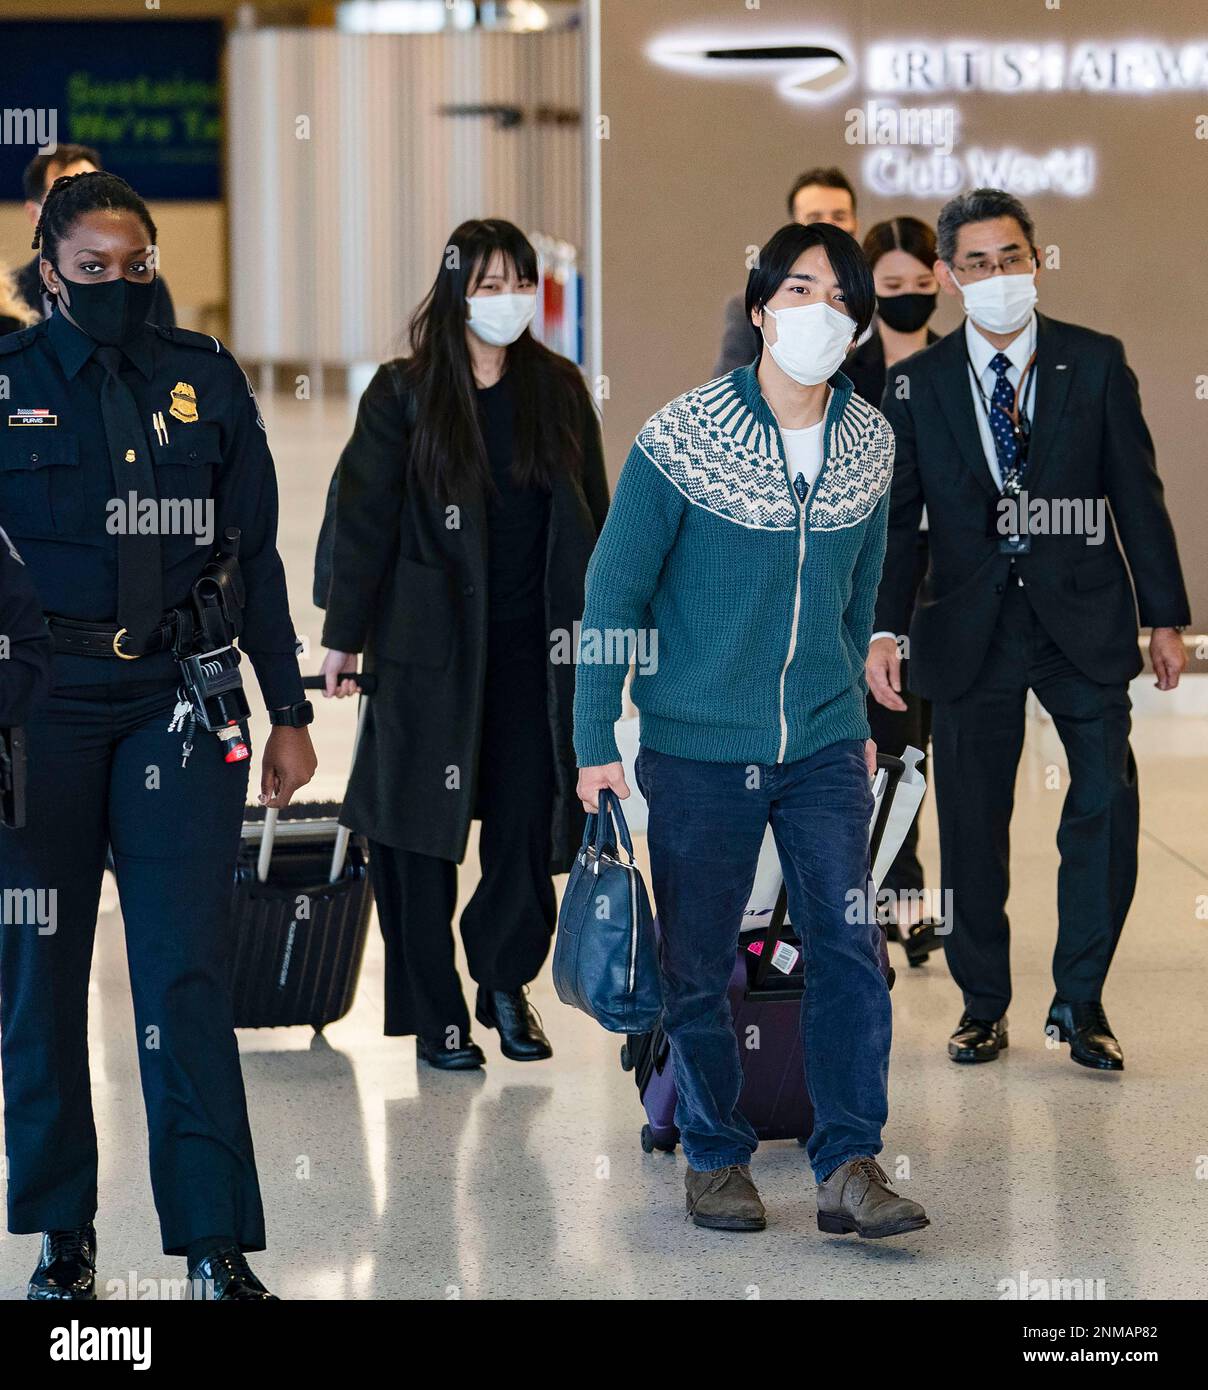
[(920, 941), (67, 1267), (436, 1054), (521, 1036), (1086, 1029), (224, 1277), (977, 1040)]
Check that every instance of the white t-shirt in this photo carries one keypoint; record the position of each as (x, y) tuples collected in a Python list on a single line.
[(803, 454)]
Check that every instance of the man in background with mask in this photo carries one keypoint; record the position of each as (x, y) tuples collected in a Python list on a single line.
[(1016, 432)]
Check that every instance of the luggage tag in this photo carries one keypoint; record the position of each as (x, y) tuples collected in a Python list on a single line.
[(784, 957)]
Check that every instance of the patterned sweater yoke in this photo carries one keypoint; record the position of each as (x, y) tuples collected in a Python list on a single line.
[(727, 457)]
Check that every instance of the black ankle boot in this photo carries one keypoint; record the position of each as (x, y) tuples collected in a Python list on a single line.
[(521, 1036), (67, 1267)]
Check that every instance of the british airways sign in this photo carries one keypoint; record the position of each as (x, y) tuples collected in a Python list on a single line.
[(910, 125)]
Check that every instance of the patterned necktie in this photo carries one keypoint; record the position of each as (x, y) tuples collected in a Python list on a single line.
[(140, 578), (1006, 446)]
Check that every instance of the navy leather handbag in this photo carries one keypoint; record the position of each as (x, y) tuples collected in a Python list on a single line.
[(606, 955)]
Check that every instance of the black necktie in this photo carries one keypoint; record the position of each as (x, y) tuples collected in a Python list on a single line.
[(140, 578)]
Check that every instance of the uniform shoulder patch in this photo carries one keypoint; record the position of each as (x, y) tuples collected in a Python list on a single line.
[(187, 337), (20, 340)]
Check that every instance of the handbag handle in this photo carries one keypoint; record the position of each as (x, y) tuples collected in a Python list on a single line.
[(599, 823)]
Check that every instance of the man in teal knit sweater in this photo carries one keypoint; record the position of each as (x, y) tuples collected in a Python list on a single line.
[(747, 535)]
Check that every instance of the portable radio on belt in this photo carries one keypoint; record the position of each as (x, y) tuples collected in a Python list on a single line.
[(211, 691)]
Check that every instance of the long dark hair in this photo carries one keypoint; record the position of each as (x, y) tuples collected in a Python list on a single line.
[(447, 450)]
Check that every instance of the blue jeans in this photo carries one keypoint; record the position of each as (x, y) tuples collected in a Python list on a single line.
[(707, 823)]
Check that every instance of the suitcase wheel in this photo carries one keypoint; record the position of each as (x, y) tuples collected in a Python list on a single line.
[(626, 1058), (802, 1142), (649, 1145)]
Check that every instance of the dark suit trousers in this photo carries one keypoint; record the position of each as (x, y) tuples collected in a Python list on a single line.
[(507, 925), (976, 745)]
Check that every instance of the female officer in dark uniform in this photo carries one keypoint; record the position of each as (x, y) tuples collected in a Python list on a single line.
[(125, 453)]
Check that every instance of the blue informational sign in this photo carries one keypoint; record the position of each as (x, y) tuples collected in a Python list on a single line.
[(144, 93)]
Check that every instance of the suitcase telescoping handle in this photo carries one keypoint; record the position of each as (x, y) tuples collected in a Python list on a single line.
[(894, 768), (366, 684)]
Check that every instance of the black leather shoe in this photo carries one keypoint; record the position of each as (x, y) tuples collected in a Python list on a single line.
[(1086, 1029), (920, 941), (224, 1277), (521, 1036), (977, 1040), (67, 1267), (436, 1054)]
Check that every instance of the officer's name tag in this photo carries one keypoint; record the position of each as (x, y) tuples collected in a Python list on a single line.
[(33, 417)]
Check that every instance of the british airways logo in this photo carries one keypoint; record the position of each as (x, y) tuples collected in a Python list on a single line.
[(804, 71)]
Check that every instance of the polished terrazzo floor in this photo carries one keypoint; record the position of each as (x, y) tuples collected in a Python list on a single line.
[(384, 1181)]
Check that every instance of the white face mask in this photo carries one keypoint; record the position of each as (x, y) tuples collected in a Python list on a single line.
[(1001, 303), (499, 319), (811, 341)]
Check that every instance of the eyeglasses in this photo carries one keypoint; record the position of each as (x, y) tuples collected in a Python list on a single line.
[(982, 270)]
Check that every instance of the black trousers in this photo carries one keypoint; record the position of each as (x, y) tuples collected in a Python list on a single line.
[(507, 925), (976, 742), (892, 730), (103, 770)]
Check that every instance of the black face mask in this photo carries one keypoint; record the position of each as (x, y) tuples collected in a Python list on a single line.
[(110, 311), (906, 313)]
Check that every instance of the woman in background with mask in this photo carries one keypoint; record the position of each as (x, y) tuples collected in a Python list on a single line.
[(748, 531), (469, 498), (901, 254)]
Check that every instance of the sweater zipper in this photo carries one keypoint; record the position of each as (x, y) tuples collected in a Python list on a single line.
[(788, 657), (803, 510)]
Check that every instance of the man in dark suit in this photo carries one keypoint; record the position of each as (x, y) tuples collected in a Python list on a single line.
[(40, 173), (1024, 439)]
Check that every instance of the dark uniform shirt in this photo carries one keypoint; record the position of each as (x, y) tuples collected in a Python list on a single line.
[(24, 641), (58, 491)]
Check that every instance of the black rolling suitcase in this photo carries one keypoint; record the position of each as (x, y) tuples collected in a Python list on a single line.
[(301, 903)]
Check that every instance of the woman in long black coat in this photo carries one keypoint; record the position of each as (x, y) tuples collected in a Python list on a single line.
[(469, 499)]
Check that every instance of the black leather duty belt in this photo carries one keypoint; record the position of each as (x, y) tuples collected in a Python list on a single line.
[(76, 638)]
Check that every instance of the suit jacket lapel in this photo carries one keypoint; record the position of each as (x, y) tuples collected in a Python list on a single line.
[(1054, 372), (955, 391)]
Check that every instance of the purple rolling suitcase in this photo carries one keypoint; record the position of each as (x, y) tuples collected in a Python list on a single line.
[(766, 1008)]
